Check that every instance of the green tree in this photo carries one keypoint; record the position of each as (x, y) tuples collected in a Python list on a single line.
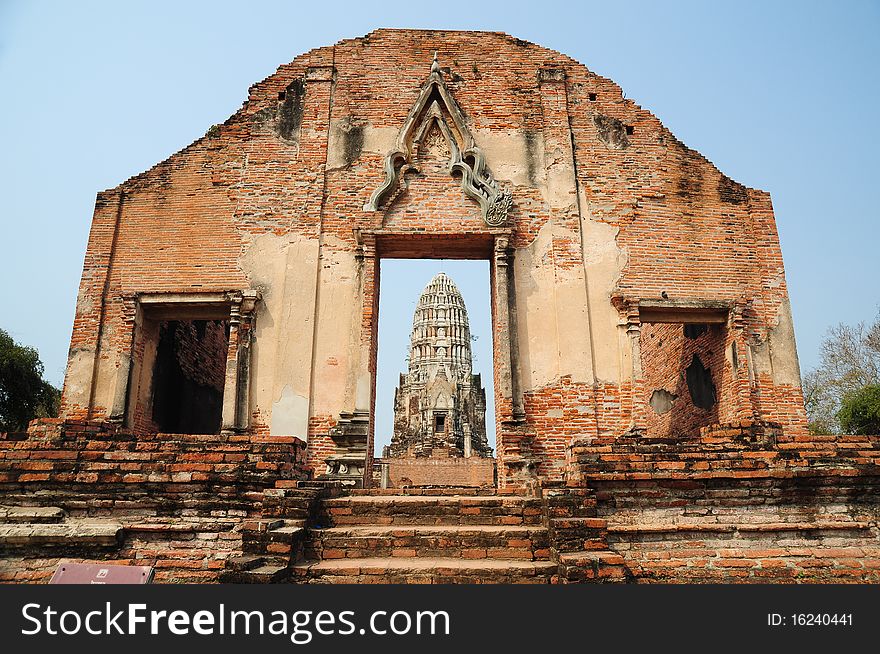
[(860, 411), (850, 362), (24, 394)]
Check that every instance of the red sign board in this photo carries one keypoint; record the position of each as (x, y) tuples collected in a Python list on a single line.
[(101, 573)]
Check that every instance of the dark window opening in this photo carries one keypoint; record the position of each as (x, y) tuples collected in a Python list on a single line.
[(700, 385), (439, 424), (592, 97), (694, 330), (189, 376), (630, 130)]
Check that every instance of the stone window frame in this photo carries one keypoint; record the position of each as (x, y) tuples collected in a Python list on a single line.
[(236, 306), (728, 313)]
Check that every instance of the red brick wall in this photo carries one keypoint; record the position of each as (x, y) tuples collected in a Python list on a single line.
[(687, 230), (666, 354)]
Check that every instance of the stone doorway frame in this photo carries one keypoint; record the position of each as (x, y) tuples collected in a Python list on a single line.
[(492, 245)]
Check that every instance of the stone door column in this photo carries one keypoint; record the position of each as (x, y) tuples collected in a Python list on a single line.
[(368, 292), (737, 346), (505, 338), (638, 419), (237, 387)]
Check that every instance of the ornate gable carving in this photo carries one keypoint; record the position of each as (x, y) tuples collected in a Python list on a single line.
[(435, 106)]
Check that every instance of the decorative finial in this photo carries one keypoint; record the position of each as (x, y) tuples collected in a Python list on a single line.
[(435, 65)]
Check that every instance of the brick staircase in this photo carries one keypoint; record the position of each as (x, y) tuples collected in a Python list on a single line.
[(580, 539), (312, 533), (272, 544), (449, 538)]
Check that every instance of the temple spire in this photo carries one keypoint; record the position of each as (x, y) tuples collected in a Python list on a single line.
[(440, 404)]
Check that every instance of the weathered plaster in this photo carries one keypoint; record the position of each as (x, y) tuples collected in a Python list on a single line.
[(78, 378), (536, 312), (783, 348), (604, 261), (510, 155), (290, 414), (573, 332), (284, 269), (337, 343), (561, 309), (377, 140)]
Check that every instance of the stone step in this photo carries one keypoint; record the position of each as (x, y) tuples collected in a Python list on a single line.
[(254, 569), (288, 502), (397, 496), (444, 491), (307, 483), (521, 542), (430, 510), (295, 493), (424, 571), (245, 562), (604, 566), (65, 535), (31, 514), (278, 537)]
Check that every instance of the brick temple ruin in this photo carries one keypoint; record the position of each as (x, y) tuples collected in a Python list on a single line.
[(217, 413), (439, 434)]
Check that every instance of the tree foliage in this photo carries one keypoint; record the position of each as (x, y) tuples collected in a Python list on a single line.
[(850, 362), (860, 411), (24, 394)]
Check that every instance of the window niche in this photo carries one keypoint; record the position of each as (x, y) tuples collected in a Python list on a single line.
[(190, 363), (682, 361), (189, 376)]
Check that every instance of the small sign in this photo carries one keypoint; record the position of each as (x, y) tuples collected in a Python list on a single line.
[(101, 573)]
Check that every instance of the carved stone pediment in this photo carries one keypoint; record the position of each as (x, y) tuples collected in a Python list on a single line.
[(435, 105)]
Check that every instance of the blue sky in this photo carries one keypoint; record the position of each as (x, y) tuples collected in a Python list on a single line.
[(781, 96)]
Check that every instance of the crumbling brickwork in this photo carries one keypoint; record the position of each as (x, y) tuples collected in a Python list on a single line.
[(173, 501)]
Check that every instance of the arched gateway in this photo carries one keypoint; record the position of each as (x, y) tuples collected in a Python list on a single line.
[(226, 327)]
